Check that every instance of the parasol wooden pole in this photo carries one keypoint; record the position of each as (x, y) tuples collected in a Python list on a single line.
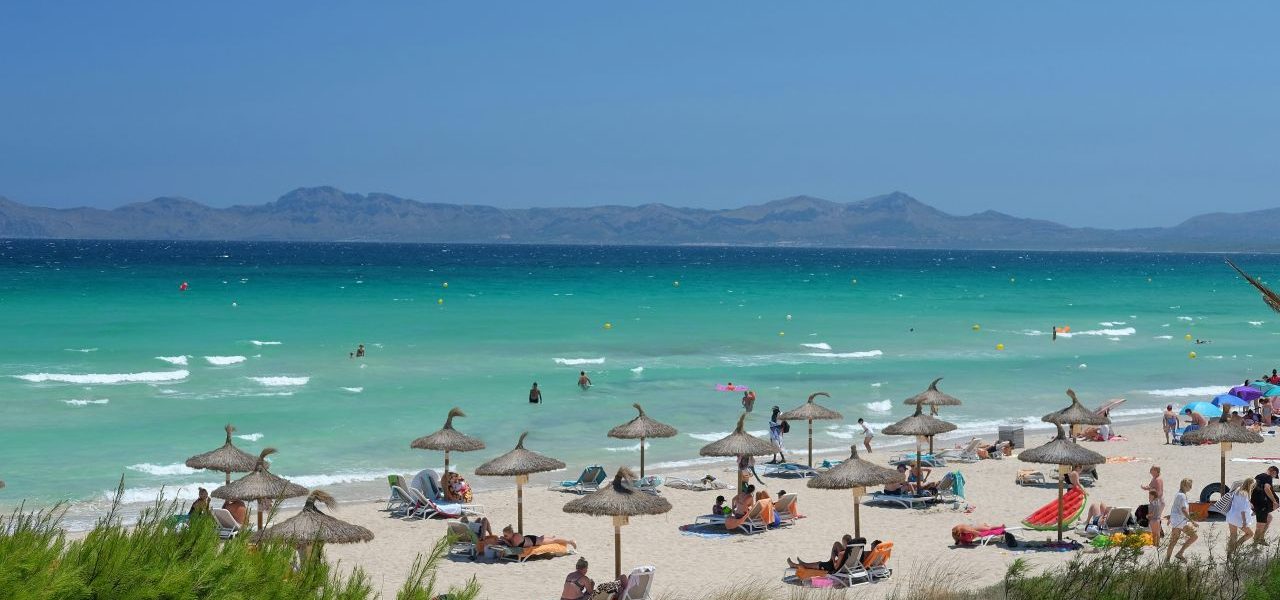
[(520, 481), (810, 443), (857, 518), (228, 477), (259, 515), (641, 458), (1062, 475), (1222, 462), (446, 461), (618, 522)]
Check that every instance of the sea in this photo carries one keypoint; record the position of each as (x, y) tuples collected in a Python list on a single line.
[(110, 370)]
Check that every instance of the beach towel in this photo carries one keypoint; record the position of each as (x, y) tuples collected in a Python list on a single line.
[(803, 573), (548, 550), (704, 530), (958, 484)]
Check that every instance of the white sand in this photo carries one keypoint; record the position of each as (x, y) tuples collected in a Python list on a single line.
[(689, 567)]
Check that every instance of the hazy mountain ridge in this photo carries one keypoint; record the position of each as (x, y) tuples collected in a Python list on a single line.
[(890, 220)]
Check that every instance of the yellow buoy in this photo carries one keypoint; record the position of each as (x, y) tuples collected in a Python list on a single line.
[(999, 346), (782, 333), (1191, 355), (976, 327), (440, 301), (445, 284), (1188, 337), (608, 325)]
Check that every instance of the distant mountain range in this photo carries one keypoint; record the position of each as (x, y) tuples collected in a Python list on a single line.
[(893, 220)]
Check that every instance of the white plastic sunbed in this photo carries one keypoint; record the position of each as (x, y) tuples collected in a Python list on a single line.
[(227, 524), (639, 584)]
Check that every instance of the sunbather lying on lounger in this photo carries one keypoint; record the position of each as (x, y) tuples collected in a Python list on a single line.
[(835, 562), (512, 539), (899, 487), (1097, 512), (963, 535)]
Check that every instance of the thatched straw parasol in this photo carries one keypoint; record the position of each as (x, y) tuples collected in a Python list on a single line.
[(1075, 414), (311, 526), (933, 398), (448, 439), (1064, 453), (739, 443), (640, 428), (855, 474), (1223, 433), (260, 485), (811, 411), (919, 425), (620, 501), (519, 463), (228, 459), (1268, 296)]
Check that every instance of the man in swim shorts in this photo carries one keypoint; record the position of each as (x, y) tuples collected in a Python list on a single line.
[(535, 394), (584, 382), (1264, 501)]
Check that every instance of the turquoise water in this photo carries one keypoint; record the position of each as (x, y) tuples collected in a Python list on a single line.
[(871, 327)]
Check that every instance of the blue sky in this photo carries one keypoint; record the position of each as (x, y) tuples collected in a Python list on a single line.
[(1104, 114)]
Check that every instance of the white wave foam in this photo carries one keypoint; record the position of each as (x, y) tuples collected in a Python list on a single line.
[(171, 469), (638, 370), (711, 437), (866, 354), (1137, 412), (81, 349), (818, 346), (260, 343), (314, 481), (86, 402), (692, 462), (146, 495), (223, 361), (354, 390), (1256, 323), (1106, 332), (181, 361), (281, 380), (579, 361), (1185, 319), (105, 378), (1112, 323), (882, 406), (1164, 337), (250, 437), (632, 448), (877, 384), (1186, 392)]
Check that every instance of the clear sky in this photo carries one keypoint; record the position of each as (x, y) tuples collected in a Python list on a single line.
[(1107, 114)]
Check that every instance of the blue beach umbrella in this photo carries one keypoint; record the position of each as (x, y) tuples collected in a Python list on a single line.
[(1271, 393), (1262, 386), (1222, 400), (1204, 408)]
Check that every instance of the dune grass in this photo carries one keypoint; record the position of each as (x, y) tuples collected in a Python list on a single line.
[(153, 559)]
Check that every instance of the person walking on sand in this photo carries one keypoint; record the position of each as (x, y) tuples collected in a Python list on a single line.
[(777, 428), (1264, 502), (867, 434), (1170, 423), (1180, 523), (535, 394), (1240, 518), (584, 382)]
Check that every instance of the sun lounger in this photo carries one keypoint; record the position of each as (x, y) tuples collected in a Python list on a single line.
[(877, 563), (967, 454), (428, 509), (397, 501), (464, 539), (227, 524), (408, 505), (639, 584), (1116, 520), (509, 554), (1028, 477), (852, 572), (698, 485), (792, 470), (650, 484), (588, 481), (785, 508), (926, 460), (945, 492)]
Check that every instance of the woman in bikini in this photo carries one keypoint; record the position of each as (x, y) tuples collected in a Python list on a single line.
[(513, 540), (835, 562)]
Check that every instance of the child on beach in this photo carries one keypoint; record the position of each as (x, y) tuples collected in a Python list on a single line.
[(718, 508)]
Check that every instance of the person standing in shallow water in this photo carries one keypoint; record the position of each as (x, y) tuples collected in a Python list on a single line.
[(748, 400), (584, 382), (535, 394), (777, 428)]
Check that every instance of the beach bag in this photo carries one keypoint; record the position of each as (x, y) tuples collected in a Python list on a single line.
[(786, 427)]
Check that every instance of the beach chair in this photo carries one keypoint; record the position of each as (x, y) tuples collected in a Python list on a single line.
[(429, 509), (905, 499), (464, 539), (852, 572), (650, 484), (996, 535), (926, 460), (1115, 521), (877, 563), (639, 584), (400, 500), (1181, 431), (706, 484), (969, 453), (785, 508), (588, 481), (753, 523), (227, 524), (790, 470), (1029, 477)]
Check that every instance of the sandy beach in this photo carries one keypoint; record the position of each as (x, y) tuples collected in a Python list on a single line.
[(690, 566)]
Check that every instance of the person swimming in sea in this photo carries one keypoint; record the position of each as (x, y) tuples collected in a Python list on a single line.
[(584, 382), (535, 394), (360, 351)]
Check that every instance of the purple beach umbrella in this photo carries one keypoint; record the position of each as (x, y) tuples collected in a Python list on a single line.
[(1246, 393)]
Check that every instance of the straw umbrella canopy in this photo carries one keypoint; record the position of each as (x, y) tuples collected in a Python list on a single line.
[(448, 439), (919, 425), (811, 411), (1223, 433), (739, 443), (640, 428), (1075, 414), (260, 485), (621, 501), (228, 459), (519, 463), (312, 526), (855, 474), (933, 398), (1061, 451)]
